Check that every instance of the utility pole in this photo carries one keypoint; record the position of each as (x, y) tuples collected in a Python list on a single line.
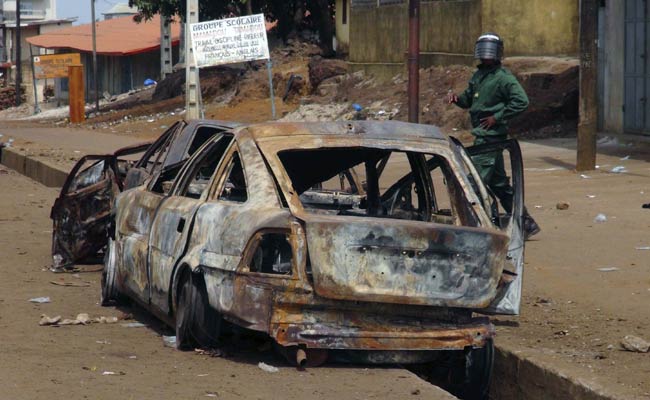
[(165, 47), (92, 16), (414, 61), (19, 72), (586, 157), (192, 86)]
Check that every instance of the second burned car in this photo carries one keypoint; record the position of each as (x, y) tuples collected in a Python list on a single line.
[(360, 241)]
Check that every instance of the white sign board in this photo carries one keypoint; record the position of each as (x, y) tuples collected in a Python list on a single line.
[(228, 41)]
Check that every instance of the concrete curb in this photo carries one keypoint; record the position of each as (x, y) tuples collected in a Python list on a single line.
[(42, 172), (518, 374), (521, 374)]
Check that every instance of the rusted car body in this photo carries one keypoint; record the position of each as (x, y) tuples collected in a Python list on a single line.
[(306, 232), (81, 214)]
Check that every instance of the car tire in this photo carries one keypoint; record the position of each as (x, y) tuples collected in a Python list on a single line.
[(197, 323), (109, 294), (466, 373)]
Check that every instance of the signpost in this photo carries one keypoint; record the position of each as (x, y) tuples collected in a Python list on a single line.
[(51, 66), (232, 40), (54, 65)]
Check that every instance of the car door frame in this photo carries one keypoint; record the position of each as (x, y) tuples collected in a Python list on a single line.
[(508, 299), (68, 203), (160, 282)]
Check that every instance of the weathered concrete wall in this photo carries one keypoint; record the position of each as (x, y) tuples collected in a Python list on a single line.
[(342, 27), (614, 54), (379, 35), (534, 27), (448, 30)]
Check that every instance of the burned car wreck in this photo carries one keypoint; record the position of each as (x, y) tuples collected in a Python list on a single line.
[(81, 214), (361, 241)]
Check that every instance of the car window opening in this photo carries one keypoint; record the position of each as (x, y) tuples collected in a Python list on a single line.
[(369, 182), (234, 188), (203, 170), (273, 255)]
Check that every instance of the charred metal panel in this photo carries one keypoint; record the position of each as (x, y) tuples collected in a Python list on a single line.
[(406, 262)]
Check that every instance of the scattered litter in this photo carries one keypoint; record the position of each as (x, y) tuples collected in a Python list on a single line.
[(600, 218), (211, 394), (102, 341), (538, 207), (40, 300), (81, 319), (169, 341), (210, 352), (583, 176), (150, 120), (134, 325), (71, 284), (619, 169), (113, 373), (45, 320), (625, 158), (68, 321), (635, 344), (133, 357), (643, 248), (106, 320), (608, 269), (591, 196), (267, 368), (563, 205), (562, 333)]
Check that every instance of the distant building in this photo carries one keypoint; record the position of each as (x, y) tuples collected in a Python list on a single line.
[(127, 52), (36, 17), (375, 35), (120, 10)]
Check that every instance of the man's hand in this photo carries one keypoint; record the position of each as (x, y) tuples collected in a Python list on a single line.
[(488, 122), (451, 98)]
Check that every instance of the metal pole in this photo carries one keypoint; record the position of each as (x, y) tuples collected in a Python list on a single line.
[(92, 16), (587, 127), (192, 84), (414, 61), (19, 76), (269, 67), (31, 57)]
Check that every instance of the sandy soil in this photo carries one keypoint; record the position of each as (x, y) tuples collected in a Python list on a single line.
[(71, 362)]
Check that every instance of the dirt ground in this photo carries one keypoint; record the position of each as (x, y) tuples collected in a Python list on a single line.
[(574, 316), (111, 361)]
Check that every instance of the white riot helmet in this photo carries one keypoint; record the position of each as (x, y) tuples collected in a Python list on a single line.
[(489, 46)]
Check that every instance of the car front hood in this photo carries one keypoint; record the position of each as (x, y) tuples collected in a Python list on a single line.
[(404, 262)]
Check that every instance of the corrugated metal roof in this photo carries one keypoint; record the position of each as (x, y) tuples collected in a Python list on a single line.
[(121, 8), (117, 36)]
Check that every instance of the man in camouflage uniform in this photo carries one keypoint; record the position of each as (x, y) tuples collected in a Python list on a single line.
[(493, 97)]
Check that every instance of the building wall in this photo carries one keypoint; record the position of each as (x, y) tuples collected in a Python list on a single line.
[(613, 76), (379, 34), (534, 27), (342, 29)]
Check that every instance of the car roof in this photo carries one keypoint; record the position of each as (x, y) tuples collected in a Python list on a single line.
[(385, 130)]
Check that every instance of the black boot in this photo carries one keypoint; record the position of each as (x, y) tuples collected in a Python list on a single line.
[(530, 226)]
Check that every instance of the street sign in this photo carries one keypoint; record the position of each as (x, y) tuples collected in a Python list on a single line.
[(229, 41), (54, 65)]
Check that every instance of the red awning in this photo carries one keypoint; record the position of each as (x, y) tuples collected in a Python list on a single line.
[(117, 37)]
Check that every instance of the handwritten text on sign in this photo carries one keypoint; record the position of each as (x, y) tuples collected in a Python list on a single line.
[(229, 41), (54, 65)]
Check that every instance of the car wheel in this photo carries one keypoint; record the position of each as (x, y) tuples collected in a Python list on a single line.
[(109, 293), (197, 323), (466, 373)]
